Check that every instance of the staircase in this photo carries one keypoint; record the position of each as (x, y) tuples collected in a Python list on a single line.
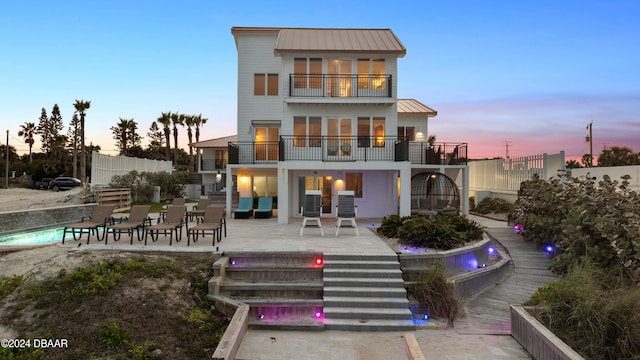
[(365, 293)]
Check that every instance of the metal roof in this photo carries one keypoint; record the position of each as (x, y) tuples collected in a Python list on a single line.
[(414, 107), (222, 142), (343, 40), (380, 41)]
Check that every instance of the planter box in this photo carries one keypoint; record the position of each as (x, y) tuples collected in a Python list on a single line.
[(534, 337)]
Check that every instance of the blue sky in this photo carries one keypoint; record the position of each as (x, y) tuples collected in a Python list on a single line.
[(530, 73)]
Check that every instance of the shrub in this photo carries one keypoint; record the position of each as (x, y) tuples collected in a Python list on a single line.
[(443, 232), (113, 335), (142, 184), (600, 223), (9, 284), (596, 320), (390, 225), (434, 292), (494, 205)]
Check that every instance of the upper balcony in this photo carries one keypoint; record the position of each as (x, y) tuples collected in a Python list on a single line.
[(347, 148), (340, 86)]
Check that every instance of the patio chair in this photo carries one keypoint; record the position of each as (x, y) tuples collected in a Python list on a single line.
[(211, 224), (99, 218), (173, 222), (199, 209), (346, 210), (245, 208), (138, 219), (265, 208), (312, 209), (174, 202)]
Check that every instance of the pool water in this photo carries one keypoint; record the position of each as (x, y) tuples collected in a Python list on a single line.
[(36, 237)]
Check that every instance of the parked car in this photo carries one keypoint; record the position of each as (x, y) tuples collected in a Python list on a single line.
[(64, 183), (42, 184)]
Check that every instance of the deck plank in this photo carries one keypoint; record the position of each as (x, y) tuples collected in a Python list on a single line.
[(488, 313)]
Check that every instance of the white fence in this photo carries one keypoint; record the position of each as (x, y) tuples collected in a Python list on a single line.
[(502, 178), (614, 172), (104, 167)]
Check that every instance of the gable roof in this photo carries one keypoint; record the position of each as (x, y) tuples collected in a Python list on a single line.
[(414, 107), (327, 40), (222, 142)]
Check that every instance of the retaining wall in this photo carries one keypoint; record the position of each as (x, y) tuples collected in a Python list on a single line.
[(12, 221), (539, 341)]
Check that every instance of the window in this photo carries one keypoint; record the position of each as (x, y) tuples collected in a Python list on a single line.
[(308, 72), (300, 134), (272, 84), (407, 133), (299, 131), (371, 74), (364, 131), (371, 126), (258, 84), (353, 182), (268, 82)]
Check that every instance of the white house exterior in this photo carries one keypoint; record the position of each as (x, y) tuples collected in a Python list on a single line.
[(318, 109)]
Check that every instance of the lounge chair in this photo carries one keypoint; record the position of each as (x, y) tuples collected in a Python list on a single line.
[(245, 208), (173, 222), (312, 209), (138, 219), (199, 209), (265, 208), (346, 210), (99, 218), (174, 202), (211, 224)]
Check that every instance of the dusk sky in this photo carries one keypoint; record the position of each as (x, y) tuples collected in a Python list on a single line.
[(530, 74)]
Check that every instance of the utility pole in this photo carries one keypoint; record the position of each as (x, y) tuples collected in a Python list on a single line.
[(6, 173), (506, 145), (590, 140)]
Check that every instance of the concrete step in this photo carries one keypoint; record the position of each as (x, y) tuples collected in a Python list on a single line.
[(360, 264), (379, 292), (368, 325), (367, 313), (370, 282), (367, 302), (362, 273), (360, 257)]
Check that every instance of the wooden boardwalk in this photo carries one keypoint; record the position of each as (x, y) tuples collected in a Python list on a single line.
[(488, 312)]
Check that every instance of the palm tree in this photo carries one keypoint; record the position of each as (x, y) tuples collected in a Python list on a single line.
[(165, 120), (81, 107), (27, 130), (124, 134), (176, 119), (189, 122), (198, 121)]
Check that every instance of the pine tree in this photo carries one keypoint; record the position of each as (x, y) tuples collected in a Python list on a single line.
[(45, 136)]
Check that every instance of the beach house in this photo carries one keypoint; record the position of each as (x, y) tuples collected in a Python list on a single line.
[(318, 109)]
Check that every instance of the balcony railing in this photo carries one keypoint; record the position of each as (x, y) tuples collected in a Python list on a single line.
[(338, 86), (346, 148), (438, 153)]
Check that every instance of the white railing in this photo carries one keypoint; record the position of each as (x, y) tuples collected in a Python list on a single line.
[(505, 176)]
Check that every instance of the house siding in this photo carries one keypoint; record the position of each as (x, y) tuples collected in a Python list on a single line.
[(255, 55)]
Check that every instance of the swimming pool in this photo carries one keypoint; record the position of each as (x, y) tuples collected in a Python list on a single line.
[(34, 237)]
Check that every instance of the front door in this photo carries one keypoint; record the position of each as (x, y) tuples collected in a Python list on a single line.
[(316, 182)]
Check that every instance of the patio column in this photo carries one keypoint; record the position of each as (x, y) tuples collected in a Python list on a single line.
[(283, 195), (405, 190)]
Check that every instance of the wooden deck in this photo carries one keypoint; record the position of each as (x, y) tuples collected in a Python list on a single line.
[(488, 312)]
